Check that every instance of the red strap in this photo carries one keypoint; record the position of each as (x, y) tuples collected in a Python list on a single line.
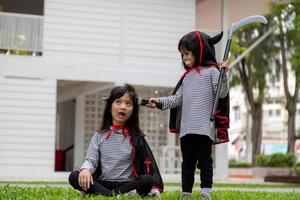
[(196, 68), (114, 128), (201, 47)]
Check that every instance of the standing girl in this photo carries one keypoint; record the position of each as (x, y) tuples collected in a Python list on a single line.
[(119, 160), (195, 93)]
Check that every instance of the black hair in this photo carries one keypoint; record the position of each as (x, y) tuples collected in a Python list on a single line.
[(190, 42), (133, 122)]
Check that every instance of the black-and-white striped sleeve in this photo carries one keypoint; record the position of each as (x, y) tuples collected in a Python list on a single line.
[(172, 101), (215, 73), (92, 155)]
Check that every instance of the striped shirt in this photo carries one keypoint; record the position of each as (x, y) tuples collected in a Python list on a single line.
[(115, 154), (196, 95)]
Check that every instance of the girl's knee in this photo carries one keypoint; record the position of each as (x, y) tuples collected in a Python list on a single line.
[(144, 184), (73, 178), (147, 179)]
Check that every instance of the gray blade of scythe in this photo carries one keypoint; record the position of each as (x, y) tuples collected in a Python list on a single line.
[(248, 20)]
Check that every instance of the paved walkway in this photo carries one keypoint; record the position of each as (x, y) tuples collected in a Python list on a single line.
[(231, 179), (173, 188), (242, 180)]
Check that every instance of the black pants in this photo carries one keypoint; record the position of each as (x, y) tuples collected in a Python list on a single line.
[(142, 184), (196, 149)]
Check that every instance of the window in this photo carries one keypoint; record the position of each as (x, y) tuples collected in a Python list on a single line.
[(21, 27), (274, 113), (278, 112), (273, 132), (236, 113), (33, 7), (270, 113)]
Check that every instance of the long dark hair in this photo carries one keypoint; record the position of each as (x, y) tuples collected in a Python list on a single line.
[(190, 42), (133, 122), (201, 45)]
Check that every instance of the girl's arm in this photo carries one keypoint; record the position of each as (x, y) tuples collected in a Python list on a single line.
[(225, 85), (89, 165), (92, 155), (168, 102)]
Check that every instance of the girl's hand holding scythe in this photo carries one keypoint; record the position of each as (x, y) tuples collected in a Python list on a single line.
[(224, 64)]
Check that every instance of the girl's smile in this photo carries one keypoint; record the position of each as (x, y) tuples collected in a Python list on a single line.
[(121, 109), (187, 57)]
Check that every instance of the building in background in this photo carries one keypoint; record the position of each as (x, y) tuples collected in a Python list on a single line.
[(59, 58), (208, 19)]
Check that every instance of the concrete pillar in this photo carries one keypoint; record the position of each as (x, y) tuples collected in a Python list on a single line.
[(79, 132), (248, 134), (221, 158)]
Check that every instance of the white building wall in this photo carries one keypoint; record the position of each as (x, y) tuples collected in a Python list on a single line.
[(275, 121), (126, 40), (132, 41), (27, 126)]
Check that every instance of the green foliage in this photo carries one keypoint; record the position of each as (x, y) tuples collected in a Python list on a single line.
[(297, 168), (291, 24), (235, 164), (240, 195), (276, 160), (287, 16), (252, 70), (30, 193), (259, 62)]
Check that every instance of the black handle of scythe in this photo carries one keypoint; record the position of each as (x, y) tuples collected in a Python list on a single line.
[(144, 102), (214, 108)]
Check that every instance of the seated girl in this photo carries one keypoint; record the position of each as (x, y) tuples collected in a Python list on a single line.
[(119, 160)]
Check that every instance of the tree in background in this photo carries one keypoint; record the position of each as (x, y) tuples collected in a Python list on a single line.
[(287, 16), (251, 73)]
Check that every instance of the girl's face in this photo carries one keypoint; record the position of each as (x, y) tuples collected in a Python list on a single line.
[(187, 57), (121, 109)]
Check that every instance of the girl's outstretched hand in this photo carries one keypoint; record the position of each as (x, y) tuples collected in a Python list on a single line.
[(151, 102), (85, 179), (224, 64)]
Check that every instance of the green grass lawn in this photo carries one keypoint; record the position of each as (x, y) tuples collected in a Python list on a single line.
[(215, 185), (52, 193)]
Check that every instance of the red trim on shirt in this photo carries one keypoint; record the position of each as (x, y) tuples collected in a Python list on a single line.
[(173, 130), (196, 68), (114, 128)]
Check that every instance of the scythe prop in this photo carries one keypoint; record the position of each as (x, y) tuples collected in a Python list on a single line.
[(234, 27)]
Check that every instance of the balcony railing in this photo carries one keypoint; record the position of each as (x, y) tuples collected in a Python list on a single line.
[(21, 33)]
